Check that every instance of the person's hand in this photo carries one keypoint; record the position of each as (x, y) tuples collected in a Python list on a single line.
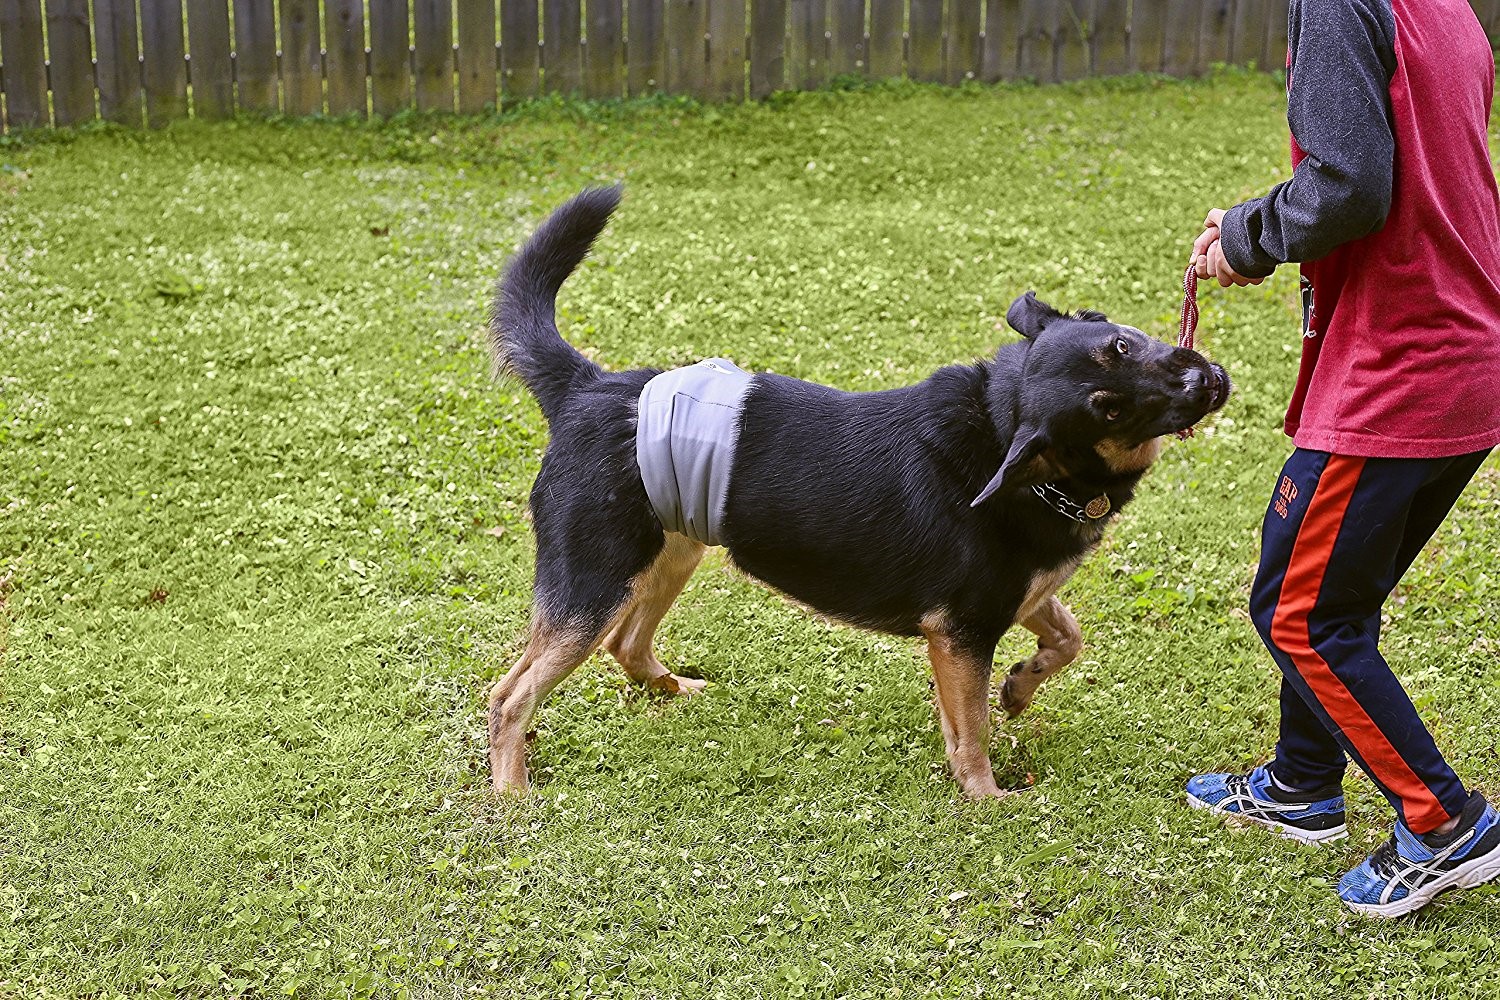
[(1207, 238), (1208, 254), (1220, 268)]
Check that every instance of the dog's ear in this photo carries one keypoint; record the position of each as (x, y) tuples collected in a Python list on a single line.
[(1029, 315), (1028, 444)]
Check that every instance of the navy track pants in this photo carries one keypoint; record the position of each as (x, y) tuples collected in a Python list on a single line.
[(1339, 532)]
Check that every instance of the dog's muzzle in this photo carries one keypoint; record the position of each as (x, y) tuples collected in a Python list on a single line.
[(1218, 387), (1207, 386)]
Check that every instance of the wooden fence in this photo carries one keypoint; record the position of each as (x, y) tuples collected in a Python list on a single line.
[(68, 61)]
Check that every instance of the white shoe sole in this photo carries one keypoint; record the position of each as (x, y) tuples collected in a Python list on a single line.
[(1280, 829), (1468, 876)]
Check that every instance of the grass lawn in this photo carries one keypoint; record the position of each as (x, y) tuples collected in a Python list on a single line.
[(264, 545)]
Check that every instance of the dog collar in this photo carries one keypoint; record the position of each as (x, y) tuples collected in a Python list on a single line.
[(1068, 507)]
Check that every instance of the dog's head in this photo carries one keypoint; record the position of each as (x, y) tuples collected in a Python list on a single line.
[(1098, 392)]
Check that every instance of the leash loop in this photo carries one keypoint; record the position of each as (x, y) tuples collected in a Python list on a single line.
[(1187, 324)]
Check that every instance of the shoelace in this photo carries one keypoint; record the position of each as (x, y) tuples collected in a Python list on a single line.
[(1387, 860), (1241, 793)]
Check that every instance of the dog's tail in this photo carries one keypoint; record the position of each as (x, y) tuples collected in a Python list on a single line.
[(524, 341)]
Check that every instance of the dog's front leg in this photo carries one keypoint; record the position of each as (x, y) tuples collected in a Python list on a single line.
[(961, 668), (1058, 641)]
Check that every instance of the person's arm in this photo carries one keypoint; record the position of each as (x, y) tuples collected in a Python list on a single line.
[(1338, 107)]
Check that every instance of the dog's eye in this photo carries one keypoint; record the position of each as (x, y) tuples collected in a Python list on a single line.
[(1112, 414), (1122, 345)]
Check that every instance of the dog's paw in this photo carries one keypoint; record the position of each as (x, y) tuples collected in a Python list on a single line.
[(1010, 695), (510, 786), (685, 686), (982, 788)]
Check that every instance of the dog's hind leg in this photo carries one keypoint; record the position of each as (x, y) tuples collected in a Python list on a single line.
[(552, 652), (961, 669), (591, 548), (1058, 642), (652, 593), (560, 641)]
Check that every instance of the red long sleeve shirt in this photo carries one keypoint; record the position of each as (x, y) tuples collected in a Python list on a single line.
[(1394, 213)]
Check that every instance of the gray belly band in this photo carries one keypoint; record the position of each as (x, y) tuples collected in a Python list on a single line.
[(684, 444)]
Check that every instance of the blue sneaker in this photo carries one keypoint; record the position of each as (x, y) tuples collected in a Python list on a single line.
[(1312, 816), (1408, 871)]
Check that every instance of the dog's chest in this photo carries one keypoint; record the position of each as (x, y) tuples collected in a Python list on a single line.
[(687, 428)]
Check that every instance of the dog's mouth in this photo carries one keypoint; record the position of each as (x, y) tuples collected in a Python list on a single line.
[(1218, 387), (1206, 388)]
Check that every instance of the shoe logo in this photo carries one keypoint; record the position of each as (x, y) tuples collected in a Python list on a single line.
[(1285, 494)]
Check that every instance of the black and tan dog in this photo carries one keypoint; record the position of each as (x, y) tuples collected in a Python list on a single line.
[(949, 509)]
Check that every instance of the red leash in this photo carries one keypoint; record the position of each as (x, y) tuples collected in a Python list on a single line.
[(1187, 325)]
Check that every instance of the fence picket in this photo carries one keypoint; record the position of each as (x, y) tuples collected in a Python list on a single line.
[(72, 67), (255, 56), (1273, 55), (1216, 32), (726, 50), (1070, 41), (1038, 25), (164, 70), (807, 43), (767, 46), (1002, 38), (562, 46), (887, 38), (644, 51), (520, 55), (1247, 29), (1109, 38), (301, 58), (390, 56), (846, 49), (25, 66), (1184, 30), (478, 62), (1148, 32), (604, 49), (961, 49), (210, 69), (344, 26), (685, 28), (119, 69), (924, 44), (432, 29)]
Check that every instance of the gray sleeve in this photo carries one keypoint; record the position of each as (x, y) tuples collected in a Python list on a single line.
[(1338, 106)]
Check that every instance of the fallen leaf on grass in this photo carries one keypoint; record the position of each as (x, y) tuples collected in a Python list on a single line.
[(1050, 851), (1013, 944)]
